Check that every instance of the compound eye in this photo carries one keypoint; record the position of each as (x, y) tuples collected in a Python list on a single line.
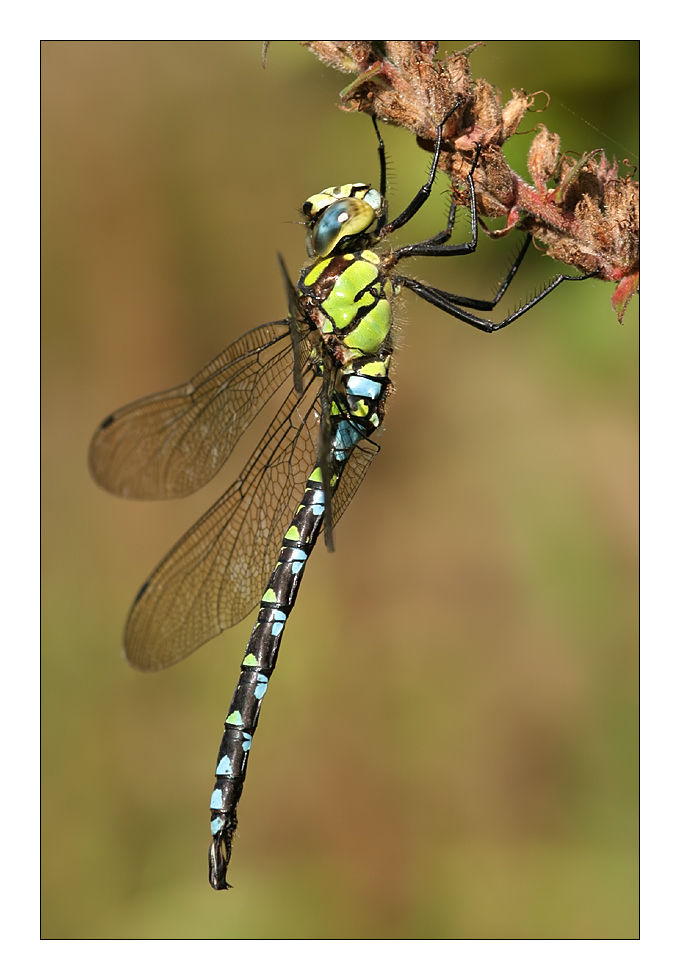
[(349, 216)]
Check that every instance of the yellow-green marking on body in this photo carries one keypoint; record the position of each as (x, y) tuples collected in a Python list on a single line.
[(316, 271), (372, 329), (374, 369), (341, 305)]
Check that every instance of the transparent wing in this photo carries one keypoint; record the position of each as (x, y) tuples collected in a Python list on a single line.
[(355, 470), (217, 572), (173, 443)]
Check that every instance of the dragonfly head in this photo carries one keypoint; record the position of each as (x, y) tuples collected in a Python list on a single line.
[(338, 214)]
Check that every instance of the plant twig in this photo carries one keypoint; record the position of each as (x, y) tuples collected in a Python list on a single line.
[(588, 218)]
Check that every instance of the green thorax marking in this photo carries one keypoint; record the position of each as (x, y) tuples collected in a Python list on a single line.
[(316, 271), (350, 296)]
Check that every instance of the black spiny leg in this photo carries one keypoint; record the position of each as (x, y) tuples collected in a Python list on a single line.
[(451, 303), (383, 174), (416, 204), (448, 301), (486, 305), (434, 246)]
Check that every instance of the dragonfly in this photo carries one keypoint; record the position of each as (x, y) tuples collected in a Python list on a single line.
[(326, 368)]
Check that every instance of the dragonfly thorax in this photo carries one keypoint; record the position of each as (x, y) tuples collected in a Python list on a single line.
[(337, 217)]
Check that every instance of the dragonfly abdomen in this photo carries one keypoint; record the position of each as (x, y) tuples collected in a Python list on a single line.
[(256, 669), (356, 412)]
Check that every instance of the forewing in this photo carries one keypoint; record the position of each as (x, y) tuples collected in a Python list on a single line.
[(218, 571), (171, 444), (298, 327)]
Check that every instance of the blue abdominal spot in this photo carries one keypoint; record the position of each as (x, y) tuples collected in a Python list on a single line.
[(224, 767), (261, 686), (346, 436), (363, 387), (217, 824)]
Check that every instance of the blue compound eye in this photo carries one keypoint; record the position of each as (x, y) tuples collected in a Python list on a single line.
[(349, 216)]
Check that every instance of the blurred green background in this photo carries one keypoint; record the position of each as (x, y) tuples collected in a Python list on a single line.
[(449, 745)]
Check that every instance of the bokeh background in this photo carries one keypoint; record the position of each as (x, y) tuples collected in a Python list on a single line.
[(449, 745)]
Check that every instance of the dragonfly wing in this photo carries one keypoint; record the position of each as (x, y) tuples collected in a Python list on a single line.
[(298, 327), (217, 572), (171, 444), (353, 473)]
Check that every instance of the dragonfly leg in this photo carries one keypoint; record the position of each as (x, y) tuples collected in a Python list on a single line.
[(449, 302), (421, 197), (435, 246), (383, 173)]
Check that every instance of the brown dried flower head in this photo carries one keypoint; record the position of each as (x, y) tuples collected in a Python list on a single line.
[(589, 219)]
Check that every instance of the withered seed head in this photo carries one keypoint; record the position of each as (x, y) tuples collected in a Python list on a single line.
[(588, 219)]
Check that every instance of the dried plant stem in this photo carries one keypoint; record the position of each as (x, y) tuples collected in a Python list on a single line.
[(588, 217)]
